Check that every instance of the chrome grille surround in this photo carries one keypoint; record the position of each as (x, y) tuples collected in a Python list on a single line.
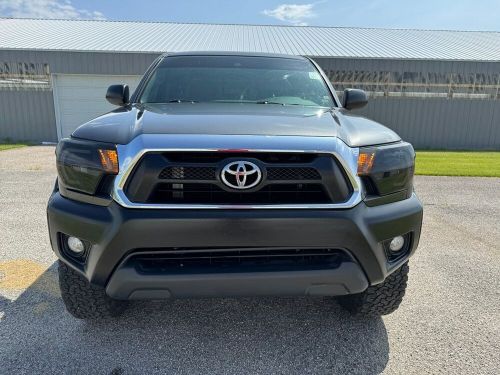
[(132, 152)]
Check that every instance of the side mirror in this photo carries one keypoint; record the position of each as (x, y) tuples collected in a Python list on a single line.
[(354, 98), (118, 95)]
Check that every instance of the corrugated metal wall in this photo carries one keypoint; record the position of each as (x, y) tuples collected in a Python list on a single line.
[(432, 123), (440, 123), (85, 62), (437, 123), (27, 116)]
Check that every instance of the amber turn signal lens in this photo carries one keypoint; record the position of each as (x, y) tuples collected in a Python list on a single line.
[(109, 160), (365, 162)]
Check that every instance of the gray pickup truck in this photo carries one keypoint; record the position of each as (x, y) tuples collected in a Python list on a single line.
[(232, 175)]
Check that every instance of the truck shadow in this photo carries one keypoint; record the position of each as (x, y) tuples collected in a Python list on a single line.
[(205, 336)]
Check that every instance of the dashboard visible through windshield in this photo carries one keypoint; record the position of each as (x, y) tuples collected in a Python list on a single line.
[(237, 79)]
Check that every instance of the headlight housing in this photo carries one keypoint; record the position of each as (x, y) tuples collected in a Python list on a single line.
[(387, 171), (85, 167)]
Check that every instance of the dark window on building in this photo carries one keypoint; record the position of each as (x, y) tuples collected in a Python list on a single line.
[(22, 75), (418, 84)]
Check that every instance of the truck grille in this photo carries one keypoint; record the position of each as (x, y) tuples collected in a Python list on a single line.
[(209, 173), (189, 261), (195, 178)]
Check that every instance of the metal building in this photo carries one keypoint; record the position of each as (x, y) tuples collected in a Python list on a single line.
[(437, 89)]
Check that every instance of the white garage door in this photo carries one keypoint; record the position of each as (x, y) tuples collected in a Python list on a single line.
[(80, 98)]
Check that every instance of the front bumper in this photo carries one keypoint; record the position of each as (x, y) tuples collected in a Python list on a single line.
[(115, 232)]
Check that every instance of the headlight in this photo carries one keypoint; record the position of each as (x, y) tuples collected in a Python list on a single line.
[(387, 169), (83, 166)]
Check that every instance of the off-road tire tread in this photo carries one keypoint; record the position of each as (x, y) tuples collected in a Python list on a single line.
[(381, 299), (84, 300)]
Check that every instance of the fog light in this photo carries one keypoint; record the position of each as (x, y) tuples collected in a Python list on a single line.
[(76, 245), (397, 243)]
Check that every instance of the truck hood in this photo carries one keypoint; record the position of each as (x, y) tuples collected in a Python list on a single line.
[(124, 124)]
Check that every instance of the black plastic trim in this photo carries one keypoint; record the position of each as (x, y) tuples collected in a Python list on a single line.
[(127, 283), (85, 198), (115, 231), (373, 201)]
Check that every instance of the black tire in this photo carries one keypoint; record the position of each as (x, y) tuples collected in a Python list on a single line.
[(86, 301), (381, 299)]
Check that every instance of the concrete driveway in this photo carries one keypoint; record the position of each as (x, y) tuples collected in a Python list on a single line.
[(448, 323)]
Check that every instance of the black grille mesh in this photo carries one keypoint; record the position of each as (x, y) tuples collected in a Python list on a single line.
[(285, 174), (236, 260), (208, 173), (188, 173)]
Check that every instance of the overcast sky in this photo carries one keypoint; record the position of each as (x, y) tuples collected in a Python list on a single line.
[(427, 14)]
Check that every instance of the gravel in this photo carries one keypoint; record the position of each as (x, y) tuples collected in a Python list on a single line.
[(449, 321)]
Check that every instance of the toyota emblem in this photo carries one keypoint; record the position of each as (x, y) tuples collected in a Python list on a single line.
[(241, 175)]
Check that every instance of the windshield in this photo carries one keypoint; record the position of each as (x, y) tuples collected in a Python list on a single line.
[(237, 79)]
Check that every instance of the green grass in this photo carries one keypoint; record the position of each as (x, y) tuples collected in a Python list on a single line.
[(8, 146), (458, 163)]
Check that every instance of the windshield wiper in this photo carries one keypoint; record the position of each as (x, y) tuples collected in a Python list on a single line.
[(182, 101), (268, 102), (285, 104)]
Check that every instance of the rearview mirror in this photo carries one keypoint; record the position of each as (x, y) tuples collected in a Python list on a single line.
[(354, 98), (118, 95)]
